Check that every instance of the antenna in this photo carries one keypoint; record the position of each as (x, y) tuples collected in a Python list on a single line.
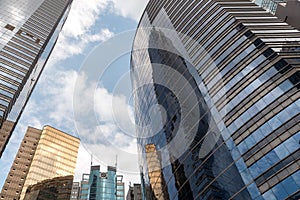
[(91, 160), (116, 161)]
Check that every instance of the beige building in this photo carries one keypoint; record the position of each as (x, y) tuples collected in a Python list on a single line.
[(5, 133), (43, 154)]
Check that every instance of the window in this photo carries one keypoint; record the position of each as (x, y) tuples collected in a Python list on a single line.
[(9, 27)]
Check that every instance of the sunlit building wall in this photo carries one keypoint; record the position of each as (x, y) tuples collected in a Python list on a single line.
[(43, 154), (217, 92), (28, 32)]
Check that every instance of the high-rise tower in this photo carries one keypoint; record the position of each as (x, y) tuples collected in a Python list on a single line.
[(102, 185), (217, 93), (28, 33), (43, 154)]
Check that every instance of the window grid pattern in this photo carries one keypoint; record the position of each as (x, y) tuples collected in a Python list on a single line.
[(249, 82)]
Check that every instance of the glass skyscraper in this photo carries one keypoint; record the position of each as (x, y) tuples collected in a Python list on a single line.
[(216, 101), (104, 185), (28, 32)]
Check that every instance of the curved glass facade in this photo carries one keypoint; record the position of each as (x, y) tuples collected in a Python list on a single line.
[(216, 101)]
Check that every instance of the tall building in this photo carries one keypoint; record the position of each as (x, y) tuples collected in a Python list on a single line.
[(5, 132), (58, 188), (43, 154), (75, 191), (28, 33), (84, 187), (134, 192), (217, 99), (103, 185)]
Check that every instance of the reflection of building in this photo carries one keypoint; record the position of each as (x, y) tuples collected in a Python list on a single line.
[(43, 154), (104, 185), (58, 188), (75, 191), (228, 122), (28, 32), (156, 179), (134, 192)]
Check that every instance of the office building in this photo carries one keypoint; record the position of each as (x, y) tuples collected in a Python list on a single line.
[(102, 185), (5, 132), (120, 190), (58, 188), (217, 99), (75, 191), (84, 187), (134, 192), (43, 154), (28, 32)]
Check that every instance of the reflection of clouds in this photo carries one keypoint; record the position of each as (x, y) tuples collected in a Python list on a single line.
[(100, 114)]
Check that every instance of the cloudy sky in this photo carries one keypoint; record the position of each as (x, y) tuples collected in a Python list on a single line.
[(85, 92)]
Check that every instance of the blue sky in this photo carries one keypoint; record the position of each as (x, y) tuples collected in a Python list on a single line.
[(95, 109)]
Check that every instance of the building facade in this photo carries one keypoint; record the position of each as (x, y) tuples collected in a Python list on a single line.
[(75, 191), (216, 101), (134, 192), (28, 33), (103, 185), (43, 154), (84, 187), (58, 188), (5, 132)]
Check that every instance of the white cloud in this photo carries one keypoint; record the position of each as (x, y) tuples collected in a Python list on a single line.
[(83, 15), (67, 46), (54, 104), (130, 8)]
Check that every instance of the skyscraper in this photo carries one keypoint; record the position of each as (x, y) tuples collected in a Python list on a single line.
[(217, 93), (28, 33), (103, 185), (43, 154)]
